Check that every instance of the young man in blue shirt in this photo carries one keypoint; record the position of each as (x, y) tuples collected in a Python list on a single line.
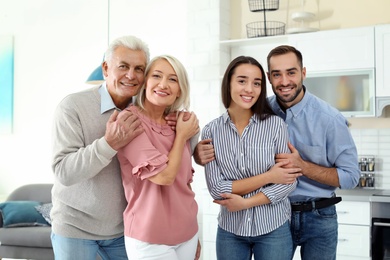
[(321, 145)]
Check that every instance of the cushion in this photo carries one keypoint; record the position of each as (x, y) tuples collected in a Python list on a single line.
[(44, 210), (25, 236), (21, 214)]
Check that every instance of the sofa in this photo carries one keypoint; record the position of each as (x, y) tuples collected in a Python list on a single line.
[(25, 223)]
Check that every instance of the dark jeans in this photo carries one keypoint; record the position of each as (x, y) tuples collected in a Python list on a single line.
[(276, 245), (316, 233)]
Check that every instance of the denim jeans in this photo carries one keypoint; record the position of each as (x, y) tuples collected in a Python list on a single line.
[(276, 245), (73, 248), (316, 233)]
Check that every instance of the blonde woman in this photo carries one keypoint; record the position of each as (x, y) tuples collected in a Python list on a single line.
[(161, 216)]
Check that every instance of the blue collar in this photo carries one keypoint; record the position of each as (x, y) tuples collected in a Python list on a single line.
[(106, 100)]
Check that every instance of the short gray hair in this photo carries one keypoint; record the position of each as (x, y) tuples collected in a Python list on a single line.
[(130, 42)]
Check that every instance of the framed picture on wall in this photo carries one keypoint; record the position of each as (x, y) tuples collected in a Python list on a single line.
[(6, 83)]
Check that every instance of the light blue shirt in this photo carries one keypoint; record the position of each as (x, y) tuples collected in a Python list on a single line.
[(106, 100), (321, 135), (239, 157)]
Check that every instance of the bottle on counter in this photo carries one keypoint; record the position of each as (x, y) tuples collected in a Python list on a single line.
[(371, 164), (362, 180), (363, 164), (370, 180)]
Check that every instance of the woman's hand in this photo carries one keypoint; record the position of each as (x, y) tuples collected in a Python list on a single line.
[(198, 250), (232, 202), (187, 128), (172, 119)]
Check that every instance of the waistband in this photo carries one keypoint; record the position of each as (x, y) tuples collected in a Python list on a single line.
[(315, 204)]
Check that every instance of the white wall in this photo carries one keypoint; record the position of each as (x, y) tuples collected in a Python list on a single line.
[(57, 44), (329, 14)]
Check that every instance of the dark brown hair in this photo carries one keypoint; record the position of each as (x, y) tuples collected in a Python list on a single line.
[(284, 49), (261, 107)]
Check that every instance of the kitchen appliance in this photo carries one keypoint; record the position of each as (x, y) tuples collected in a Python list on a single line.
[(380, 226), (355, 90)]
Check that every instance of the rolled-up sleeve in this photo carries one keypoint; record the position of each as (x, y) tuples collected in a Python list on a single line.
[(142, 158), (343, 153), (216, 181)]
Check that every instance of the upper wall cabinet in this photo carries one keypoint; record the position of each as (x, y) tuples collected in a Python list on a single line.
[(382, 59), (352, 64), (335, 50)]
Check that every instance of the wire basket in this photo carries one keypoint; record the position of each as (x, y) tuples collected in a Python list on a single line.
[(263, 5), (265, 28)]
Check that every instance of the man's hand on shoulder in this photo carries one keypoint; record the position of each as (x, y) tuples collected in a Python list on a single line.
[(204, 152), (121, 128)]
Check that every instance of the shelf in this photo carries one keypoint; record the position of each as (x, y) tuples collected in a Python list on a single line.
[(301, 30), (253, 41)]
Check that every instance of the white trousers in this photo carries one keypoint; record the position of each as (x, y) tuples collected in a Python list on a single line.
[(137, 250)]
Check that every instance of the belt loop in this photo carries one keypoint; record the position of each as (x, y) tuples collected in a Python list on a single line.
[(313, 205)]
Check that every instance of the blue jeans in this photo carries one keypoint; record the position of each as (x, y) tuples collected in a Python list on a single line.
[(73, 248), (276, 245), (316, 233)]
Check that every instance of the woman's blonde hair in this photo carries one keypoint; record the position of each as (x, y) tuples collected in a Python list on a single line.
[(183, 101)]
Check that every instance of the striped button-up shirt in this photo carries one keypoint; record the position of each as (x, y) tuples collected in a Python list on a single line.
[(239, 157)]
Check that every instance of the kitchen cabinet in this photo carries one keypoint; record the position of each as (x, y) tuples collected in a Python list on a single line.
[(354, 230), (382, 60), (359, 54), (335, 50)]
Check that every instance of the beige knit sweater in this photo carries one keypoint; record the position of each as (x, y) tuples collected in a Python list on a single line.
[(88, 197)]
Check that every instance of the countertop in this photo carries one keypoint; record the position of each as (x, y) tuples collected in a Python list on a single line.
[(364, 195)]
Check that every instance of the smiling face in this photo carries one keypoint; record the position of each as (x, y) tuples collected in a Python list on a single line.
[(245, 86), (286, 77), (124, 74), (162, 85)]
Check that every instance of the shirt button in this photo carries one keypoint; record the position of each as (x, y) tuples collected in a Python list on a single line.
[(249, 219)]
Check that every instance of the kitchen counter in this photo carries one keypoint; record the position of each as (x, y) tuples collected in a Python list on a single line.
[(365, 195)]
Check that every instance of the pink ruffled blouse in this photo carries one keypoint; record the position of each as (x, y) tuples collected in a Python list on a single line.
[(157, 214)]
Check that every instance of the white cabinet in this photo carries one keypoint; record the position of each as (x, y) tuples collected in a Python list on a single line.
[(354, 230), (382, 56), (335, 50)]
